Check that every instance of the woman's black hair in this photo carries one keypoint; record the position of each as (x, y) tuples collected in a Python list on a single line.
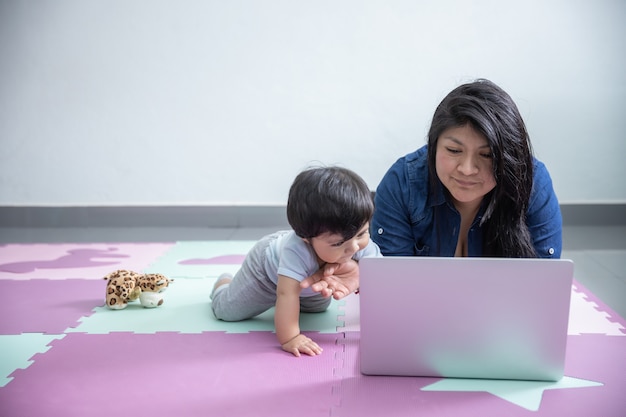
[(491, 112), (329, 199)]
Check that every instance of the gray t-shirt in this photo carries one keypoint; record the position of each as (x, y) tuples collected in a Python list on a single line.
[(292, 257)]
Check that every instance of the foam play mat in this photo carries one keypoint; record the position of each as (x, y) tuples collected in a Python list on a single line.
[(64, 353)]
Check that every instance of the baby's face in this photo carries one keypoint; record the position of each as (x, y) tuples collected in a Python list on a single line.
[(332, 248)]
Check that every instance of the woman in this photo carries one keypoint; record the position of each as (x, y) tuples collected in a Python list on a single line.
[(474, 190)]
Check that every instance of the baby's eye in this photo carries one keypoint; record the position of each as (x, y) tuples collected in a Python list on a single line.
[(336, 245)]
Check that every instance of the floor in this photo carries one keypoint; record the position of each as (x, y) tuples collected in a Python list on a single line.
[(64, 353), (599, 252)]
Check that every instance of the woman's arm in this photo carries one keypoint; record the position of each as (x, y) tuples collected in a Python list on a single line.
[(544, 215), (391, 225)]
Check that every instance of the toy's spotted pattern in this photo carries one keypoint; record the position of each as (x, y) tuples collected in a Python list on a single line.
[(153, 282), (124, 286)]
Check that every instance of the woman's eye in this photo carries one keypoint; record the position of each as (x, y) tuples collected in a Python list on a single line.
[(486, 155), (451, 150)]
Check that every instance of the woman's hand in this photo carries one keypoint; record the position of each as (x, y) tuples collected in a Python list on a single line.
[(302, 344), (336, 280)]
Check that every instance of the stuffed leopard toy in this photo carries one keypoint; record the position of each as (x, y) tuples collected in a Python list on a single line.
[(124, 286)]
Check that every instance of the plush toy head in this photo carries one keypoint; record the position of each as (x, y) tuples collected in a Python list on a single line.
[(124, 286), (152, 285)]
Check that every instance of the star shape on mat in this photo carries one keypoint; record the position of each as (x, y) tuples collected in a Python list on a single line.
[(525, 394)]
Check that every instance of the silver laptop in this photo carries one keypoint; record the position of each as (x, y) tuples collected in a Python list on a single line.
[(488, 318)]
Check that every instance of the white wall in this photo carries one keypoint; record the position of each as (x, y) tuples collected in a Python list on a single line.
[(223, 102)]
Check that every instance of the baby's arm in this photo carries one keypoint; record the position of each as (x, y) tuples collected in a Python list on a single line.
[(287, 319)]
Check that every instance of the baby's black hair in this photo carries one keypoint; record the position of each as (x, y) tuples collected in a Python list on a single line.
[(329, 200)]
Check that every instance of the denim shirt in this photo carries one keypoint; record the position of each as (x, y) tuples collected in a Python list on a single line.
[(410, 219)]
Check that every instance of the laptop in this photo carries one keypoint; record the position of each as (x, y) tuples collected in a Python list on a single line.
[(485, 318)]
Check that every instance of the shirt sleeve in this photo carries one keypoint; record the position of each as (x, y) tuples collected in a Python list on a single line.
[(544, 215), (297, 260), (391, 223)]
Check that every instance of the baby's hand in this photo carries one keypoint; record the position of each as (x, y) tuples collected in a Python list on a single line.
[(336, 280), (302, 344)]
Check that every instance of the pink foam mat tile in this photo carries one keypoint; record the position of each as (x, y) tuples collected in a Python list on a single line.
[(173, 374), (608, 321), (597, 361), (76, 260), (47, 306)]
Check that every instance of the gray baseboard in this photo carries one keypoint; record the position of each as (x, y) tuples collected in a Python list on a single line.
[(594, 214), (229, 216), (144, 216)]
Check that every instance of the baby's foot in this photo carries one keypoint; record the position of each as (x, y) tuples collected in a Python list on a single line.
[(223, 279)]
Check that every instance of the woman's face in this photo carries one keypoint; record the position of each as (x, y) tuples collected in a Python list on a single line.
[(464, 165)]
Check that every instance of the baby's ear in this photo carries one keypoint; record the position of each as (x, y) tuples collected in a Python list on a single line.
[(306, 240)]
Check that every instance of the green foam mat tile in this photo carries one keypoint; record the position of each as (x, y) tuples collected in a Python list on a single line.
[(17, 350), (187, 309), (201, 259)]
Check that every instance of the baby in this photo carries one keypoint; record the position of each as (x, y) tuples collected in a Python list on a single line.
[(329, 210)]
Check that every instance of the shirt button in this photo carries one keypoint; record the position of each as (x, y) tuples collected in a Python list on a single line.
[(380, 231), (551, 251)]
